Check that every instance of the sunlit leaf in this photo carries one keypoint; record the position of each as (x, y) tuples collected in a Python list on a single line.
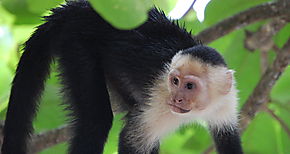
[(165, 5), (113, 139), (123, 14)]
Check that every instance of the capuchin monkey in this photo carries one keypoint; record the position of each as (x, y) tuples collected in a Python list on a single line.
[(159, 74)]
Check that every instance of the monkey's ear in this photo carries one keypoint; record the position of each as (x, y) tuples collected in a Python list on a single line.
[(228, 82)]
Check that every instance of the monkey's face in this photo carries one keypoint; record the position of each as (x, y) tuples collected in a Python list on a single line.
[(185, 91), (194, 86)]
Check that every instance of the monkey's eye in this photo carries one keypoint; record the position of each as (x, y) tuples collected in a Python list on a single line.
[(175, 81), (189, 86)]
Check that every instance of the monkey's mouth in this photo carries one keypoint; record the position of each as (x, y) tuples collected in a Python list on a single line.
[(178, 109)]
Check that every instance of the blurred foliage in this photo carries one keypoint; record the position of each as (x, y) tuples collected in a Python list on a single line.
[(123, 14), (264, 135)]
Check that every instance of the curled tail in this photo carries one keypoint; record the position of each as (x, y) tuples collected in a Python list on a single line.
[(27, 86)]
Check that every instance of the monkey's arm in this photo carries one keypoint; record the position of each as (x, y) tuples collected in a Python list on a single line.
[(224, 129), (227, 141)]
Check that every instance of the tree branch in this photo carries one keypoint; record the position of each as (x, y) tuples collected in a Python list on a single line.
[(257, 13), (262, 39), (262, 90), (48, 139), (44, 140)]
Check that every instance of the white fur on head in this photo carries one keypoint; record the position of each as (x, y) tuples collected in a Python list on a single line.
[(157, 119)]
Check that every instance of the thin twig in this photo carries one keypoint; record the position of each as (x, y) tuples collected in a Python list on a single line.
[(285, 106), (281, 122), (209, 149)]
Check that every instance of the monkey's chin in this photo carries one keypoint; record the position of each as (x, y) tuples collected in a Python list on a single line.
[(177, 109)]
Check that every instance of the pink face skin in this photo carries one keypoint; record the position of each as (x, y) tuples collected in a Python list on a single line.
[(186, 92), (190, 92)]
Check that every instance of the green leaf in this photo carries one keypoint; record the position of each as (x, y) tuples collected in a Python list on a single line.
[(174, 143), (265, 136), (19, 8), (123, 14), (217, 10), (199, 141), (113, 139), (59, 148), (165, 5), (5, 16), (282, 36), (39, 7), (281, 89), (282, 111), (51, 114)]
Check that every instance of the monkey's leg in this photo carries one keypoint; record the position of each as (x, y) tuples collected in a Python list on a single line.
[(88, 95), (135, 137)]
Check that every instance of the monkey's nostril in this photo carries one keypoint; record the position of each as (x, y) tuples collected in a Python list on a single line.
[(178, 100)]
